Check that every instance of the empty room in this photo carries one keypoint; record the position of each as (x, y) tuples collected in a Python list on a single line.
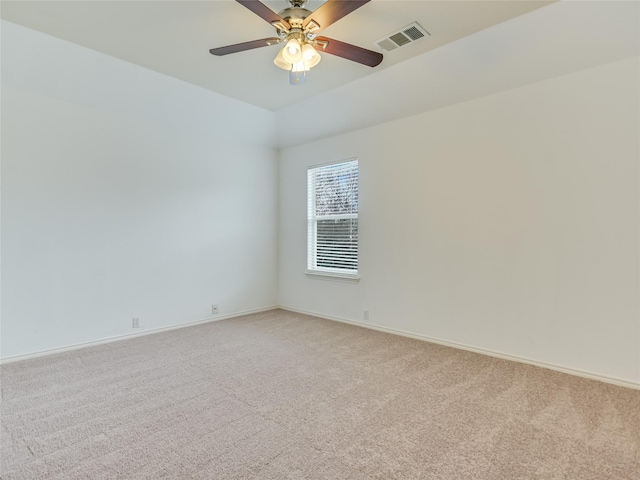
[(341, 239)]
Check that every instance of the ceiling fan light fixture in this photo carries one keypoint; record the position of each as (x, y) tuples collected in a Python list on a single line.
[(281, 62), (310, 56), (292, 51), (307, 58)]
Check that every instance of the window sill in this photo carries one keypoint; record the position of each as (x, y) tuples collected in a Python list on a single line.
[(336, 277)]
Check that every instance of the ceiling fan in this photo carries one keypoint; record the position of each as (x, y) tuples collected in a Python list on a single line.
[(298, 28)]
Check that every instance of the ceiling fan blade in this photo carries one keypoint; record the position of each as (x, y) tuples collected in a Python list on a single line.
[(350, 52), (264, 12), (331, 11), (241, 47)]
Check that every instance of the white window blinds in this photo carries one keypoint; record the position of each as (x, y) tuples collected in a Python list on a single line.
[(332, 200)]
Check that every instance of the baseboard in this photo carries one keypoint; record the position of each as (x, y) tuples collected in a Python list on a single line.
[(127, 336), (461, 346), (491, 353)]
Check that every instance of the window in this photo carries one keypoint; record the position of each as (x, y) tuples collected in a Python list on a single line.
[(332, 206)]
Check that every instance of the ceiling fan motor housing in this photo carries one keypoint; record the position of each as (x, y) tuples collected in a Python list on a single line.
[(295, 16)]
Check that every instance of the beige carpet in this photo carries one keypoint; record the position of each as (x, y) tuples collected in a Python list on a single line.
[(279, 395)]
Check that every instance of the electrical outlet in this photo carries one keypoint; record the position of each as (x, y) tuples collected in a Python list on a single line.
[(135, 323), (214, 309), (365, 315)]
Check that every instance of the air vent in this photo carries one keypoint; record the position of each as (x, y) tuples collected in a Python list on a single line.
[(402, 37)]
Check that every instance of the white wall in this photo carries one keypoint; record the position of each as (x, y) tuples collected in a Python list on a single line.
[(508, 223), (126, 193)]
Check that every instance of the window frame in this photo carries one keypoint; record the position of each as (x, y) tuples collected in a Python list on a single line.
[(312, 270)]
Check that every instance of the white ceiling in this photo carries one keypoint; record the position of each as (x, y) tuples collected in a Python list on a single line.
[(174, 38)]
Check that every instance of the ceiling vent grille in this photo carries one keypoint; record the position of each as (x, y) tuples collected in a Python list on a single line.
[(402, 37)]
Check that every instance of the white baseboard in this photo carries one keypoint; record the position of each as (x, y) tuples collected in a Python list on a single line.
[(128, 336), (217, 318), (461, 346)]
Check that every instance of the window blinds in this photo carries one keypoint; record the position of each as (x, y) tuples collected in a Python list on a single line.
[(332, 199)]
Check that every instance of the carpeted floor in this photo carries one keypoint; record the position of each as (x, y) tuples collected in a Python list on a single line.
[(279, 395)]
